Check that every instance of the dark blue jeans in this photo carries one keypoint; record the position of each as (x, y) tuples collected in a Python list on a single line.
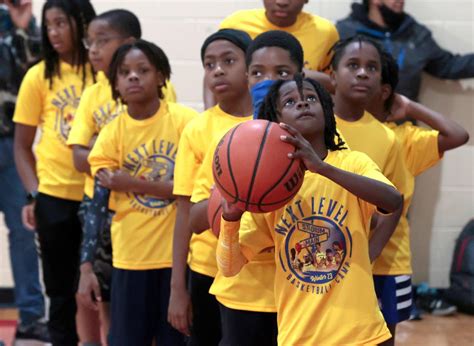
[(23, 253)]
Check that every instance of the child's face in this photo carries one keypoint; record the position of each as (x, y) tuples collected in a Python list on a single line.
[(358, 74), (60, 32), (102, 41), (137, 78), (301, 109), (270, 63), (376, 105), (224, 69), (283, 13)]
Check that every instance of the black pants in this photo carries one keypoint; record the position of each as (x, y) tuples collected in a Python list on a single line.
[(248, 328), (59, 234), (206, 327), (139, 308)]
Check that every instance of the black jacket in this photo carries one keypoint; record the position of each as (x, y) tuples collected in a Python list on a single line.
[(414, 48)]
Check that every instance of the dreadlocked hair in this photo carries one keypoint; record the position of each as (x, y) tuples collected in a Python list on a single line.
[(338, 49), (269, 109), (79, 12), (389, 76), (154, 54)]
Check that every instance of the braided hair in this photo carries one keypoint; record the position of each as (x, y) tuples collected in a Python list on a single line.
[(269, 109), (81, 13), (389, 76)]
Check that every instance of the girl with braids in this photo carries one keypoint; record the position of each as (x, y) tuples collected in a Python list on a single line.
[(341, 190), (48, 98)]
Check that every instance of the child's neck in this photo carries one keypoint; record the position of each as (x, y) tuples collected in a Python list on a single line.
[(348, 110), (319, 146), (142, 111), (69, 58), (238, 106)]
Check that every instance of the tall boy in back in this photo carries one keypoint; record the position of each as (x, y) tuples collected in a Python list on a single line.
[(134, 156), (223, 59), (356, 73), (340, 192), (316, 34), (422, 148), (247, 301)]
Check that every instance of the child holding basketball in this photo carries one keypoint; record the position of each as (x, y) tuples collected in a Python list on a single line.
[(134, 157), (312, 305), (247, 301), (422, 148), (48, 98)]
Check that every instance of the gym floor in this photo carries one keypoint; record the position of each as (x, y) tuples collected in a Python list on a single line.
[(431, 330)]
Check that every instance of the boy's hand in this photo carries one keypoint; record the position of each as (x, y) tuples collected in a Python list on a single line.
[(399, 110), (180, 313), (304, 150), (88, 286), (118, 180), (28, 216), (230, 212), (20, 14)]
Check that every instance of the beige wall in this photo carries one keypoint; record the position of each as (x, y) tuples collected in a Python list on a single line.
[(444, 198)]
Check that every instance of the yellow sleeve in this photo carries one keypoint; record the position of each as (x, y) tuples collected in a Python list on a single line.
[(363, 165), (331, 39), (204, 179), (83, 127), (169, 92), (395, 168), (105, 153), (31, 98), (228, 22), (187, 164), (420, 148), (255, 233)]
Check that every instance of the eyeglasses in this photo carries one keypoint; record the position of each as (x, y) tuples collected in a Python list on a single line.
[(99, 43)]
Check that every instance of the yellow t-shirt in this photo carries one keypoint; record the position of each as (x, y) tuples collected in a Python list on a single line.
[(193, 146), (53, 110), (142, 228), (253, 288), (420, 152), (321, 306), (373, 138), (96, 109), (316, 34)]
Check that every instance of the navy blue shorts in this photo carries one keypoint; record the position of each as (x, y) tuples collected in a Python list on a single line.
[(395, 297), (139, 308)]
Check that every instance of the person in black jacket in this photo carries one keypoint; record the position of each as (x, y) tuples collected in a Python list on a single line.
[(409, 42)]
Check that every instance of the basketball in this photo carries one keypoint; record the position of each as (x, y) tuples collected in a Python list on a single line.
[(214, 211), (252, 170)]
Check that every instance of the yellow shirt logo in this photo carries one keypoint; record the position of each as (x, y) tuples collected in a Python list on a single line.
[(66, 102)]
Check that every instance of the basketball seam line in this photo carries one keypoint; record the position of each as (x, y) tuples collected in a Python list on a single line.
[(229, 164), (257, 161)]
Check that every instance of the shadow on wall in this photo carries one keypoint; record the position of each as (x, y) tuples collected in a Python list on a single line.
[(454, 101)]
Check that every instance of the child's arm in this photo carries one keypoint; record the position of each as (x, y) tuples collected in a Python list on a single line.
[(26, 165), (383, 196), (451, 134), (121, 181), (198, 221), (322, 78), (180, 310), (79, 155), (383, 230)]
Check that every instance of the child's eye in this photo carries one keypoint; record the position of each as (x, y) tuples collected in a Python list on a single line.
[(61, 24), (353, 65), (209, 65), (143, 70), (289, 102), (229, 61), (256, 73), (372, 68), (123, 72), (283, 74), (311, 98)]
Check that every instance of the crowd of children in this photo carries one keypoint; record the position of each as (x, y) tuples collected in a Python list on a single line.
[(119, 182)]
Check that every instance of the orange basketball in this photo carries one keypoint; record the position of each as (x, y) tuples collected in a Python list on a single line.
[(252, 169), (214, 211)]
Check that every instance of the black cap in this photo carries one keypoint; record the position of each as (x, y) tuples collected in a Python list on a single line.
[(238, 37)]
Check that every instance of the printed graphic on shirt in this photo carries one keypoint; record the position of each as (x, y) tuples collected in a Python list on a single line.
[(318, 245), (153, 161), (66, 102), (107, 113)]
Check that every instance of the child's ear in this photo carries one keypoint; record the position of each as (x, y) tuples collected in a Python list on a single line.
[(332, 76), (386, 91), (161, 79)]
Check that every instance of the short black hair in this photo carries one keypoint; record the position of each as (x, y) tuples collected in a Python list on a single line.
[(155, 55), (281, 39), (389, 76), (338, 49), (239, 38), (123, 22), (269, 109), (81, 13)]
